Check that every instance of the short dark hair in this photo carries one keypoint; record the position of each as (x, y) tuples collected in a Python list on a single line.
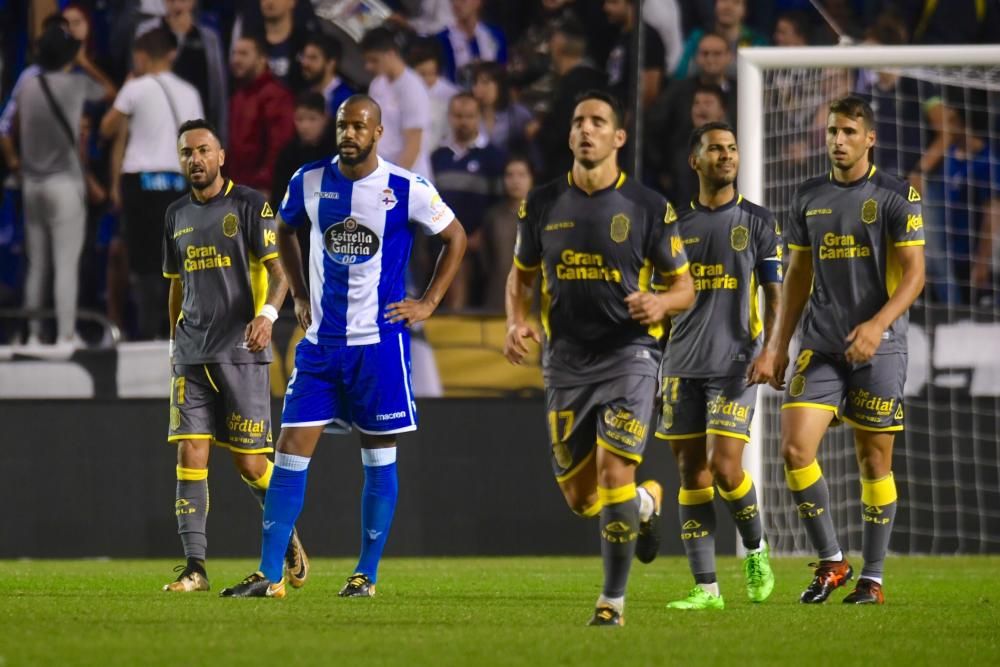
[(496, 73), (423, 49), (699, 132), (330, 46), (379, 39), (711, 89), (156, 43), (711, 33), (257, 39), (854, 107), (799, 20), (198, 124), (464, 95), (311, 100), (574, 34), (607, 98)]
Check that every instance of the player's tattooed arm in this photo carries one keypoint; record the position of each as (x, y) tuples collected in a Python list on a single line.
[(412, 311), (865, 338), (649, 308), (517, 301), (258, 332), (762, 369), (290, 253)]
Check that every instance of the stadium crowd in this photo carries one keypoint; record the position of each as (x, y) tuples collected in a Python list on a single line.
[(475, 94)]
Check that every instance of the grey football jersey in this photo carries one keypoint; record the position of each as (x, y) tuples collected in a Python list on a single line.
[(732, 249), (852, 231), (594, 250), (217, 250)]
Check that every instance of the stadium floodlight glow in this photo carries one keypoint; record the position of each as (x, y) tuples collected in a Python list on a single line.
[(948, 461)]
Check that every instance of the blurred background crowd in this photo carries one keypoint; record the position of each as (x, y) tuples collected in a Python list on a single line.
[(476, 95)]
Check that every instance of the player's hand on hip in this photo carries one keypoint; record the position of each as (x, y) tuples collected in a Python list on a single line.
[(514, 347), (303, 312), (864, 339), (258, 333), (763, 370), (409, 311), (646, 308)]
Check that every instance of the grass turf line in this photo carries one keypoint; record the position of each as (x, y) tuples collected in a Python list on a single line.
[(490, 611)]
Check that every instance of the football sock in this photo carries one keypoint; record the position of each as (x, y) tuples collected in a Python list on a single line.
[(742, 503), (282, 506), (812, 497), (619, 529), (378, 503), (191, 508), (258, 487), (878, 497), (697, 517)]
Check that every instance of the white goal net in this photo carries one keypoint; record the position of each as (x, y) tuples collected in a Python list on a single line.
[(938, 123)]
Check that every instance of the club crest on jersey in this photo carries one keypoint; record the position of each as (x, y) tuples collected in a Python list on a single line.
[(349, 242), (797, 386), (387, 199), (739, 238), (667, 418), (619, 227), (230, 225), (869, 211)]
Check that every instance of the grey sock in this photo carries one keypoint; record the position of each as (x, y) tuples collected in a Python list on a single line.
[(746, 515), (191, 508), (698, 537), (878, 520), (813, 503), (259, 494), (619, 529)]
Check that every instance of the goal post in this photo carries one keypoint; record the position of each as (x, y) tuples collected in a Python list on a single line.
[(948, 461)]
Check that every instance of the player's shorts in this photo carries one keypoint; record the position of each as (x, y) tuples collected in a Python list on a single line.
[(614, 415), (364, 386), (696, 407), (229, 404), (867, 396)]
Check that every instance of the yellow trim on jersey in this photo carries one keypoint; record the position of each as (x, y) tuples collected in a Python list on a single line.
[(680, 436), (678, 271), (879, 492), (695, 496), (191, 474), (728, 434), (546, 303), (525, 267), (803, 248), (210, 380), (591, 510), (873, 429), (905, 244), (189, 436), (621, 494), (646, 285), (802, 478), (621, 180), (740, 491), (575, 469), (171, 275), (739, 199), (229, 188), (269, 256), (625, 455), (756, 324), (818, 406), (893, 271), (258, 284), (264, 480)]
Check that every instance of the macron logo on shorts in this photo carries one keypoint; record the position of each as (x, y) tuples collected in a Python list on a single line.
[(390, 416)]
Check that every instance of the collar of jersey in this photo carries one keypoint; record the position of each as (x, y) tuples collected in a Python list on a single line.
[(866, 177), (614, 186), (696, 205), (338, 174), (224, 192)]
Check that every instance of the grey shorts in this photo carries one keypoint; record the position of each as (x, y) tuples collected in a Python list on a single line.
[(696, 407), (614, 415), (229, 404), (868, 396)]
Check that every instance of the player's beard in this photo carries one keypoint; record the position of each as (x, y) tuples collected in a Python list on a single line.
[(362, 155), (210, 177)]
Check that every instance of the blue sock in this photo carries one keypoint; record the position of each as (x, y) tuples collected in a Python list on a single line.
[(378, 502), (282, 506)]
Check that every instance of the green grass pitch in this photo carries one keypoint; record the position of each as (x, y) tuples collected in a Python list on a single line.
[(490, 611)]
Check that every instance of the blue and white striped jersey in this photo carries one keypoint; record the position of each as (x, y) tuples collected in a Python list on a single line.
[(361, 236)]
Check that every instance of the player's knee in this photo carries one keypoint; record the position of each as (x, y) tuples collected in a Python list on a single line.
[(193, 453), (250, 466), (874, 464), (796, 455), (582, 504), (726, 471)]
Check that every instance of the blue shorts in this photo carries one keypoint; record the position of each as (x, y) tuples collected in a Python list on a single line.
[(364, 386)]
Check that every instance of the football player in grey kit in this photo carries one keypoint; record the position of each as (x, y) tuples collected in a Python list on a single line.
[(855, 239), (709, 371), (220, 254)]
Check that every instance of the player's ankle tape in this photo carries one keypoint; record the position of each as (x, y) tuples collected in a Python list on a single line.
[(695, 496), (191, 474), (622, 494), (803, 478), (878, 492)]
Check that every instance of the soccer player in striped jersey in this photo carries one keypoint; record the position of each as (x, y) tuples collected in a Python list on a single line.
[(352, 369), (856, 266), (709, 373)]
